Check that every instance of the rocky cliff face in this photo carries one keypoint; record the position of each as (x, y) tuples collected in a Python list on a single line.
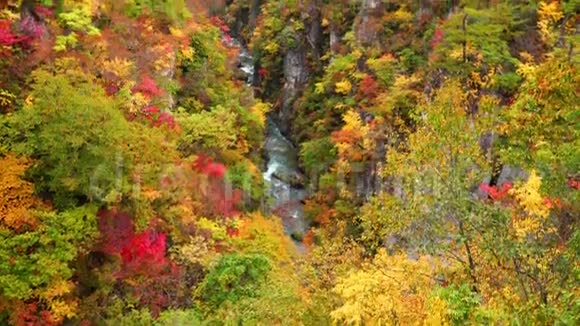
[(314, 37), (254, 12), (296, 63), (295, 78), (367, 24), (245, 20)]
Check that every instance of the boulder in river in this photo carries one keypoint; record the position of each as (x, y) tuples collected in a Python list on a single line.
[(293, 178)]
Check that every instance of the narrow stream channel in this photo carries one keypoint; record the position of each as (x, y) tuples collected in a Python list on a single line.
[(281, 174), (281, 169)]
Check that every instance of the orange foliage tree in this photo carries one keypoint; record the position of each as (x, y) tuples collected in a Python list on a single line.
[(16, 194)]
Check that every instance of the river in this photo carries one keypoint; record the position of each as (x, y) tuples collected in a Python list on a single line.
[(281, 173), (285, 198)]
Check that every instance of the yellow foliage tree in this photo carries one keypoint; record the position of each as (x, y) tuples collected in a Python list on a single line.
[(549, 14), (59, 300), (393, 290), (436, 313), (16, 195), (262, 235), (536, 212), (119, 67), (354, 140)]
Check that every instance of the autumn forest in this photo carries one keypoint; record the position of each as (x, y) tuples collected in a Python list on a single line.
[(289, 162)]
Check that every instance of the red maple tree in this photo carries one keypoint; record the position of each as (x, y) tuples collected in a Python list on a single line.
[(218, 198), (496, 192), (147, 87)]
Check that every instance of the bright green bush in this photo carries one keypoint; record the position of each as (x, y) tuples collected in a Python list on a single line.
[(460, 301), (74, 132), (234, 277), (50, 249), (318, 154)]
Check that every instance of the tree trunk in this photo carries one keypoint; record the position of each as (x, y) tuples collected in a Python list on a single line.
[(27, 9)]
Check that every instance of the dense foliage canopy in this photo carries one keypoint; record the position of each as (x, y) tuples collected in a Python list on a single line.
[(436, 142)]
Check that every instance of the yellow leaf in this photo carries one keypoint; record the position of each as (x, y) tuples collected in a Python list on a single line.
[(122, 68), (260, 109), (59, 288), (63, 309), (343, 87), (529, 197), (177, 32), (393, 289), (536, 212)]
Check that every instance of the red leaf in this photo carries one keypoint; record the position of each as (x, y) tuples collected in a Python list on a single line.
[(216, 170), (218, 199), (494, 192), (205, 165), (263, 72), (369, 86), (147, 87), (437, 36), (7, 37)]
